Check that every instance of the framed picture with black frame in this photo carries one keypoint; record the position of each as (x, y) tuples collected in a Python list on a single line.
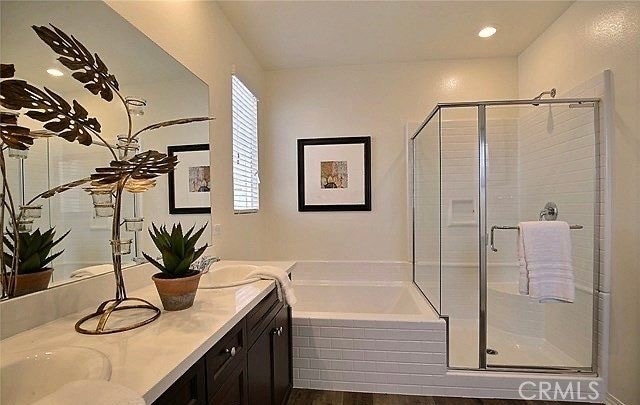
[(334, 174), (190, 182)]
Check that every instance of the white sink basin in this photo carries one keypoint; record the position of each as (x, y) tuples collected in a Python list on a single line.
[(231, 275), (29, 376)]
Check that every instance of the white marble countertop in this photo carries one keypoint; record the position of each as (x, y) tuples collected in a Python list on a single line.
[(149, 359)]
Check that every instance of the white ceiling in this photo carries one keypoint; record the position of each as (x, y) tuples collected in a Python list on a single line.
[(297, 34)]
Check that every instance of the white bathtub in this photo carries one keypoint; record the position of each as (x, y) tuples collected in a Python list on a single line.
[(375, 336), (383, 300)]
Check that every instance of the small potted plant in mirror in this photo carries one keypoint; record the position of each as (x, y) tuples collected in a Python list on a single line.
[(34, 258), (176, 283)]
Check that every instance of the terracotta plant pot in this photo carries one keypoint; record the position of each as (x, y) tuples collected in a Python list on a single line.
[(32, 282), (177, 293)]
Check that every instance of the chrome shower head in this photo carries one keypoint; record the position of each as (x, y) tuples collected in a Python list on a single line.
[(551, 93)]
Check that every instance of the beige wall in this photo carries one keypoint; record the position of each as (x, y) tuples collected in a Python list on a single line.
[(199, 36), (587, 39), (376, 100)]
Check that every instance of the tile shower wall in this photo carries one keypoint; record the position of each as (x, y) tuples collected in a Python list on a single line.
[(556, 155)]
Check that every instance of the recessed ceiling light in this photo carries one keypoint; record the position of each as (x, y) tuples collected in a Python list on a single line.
[(486, 32), (54, 72)]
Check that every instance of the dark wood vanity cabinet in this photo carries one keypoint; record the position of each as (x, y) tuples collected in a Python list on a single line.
[(190, 389), (251, 365), (269, 362), (281, 356)]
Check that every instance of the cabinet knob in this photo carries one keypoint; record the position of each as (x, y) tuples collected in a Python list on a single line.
[(280, 331), (231, 352)]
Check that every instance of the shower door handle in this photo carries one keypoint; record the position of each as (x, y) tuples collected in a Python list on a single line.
[(493, 247)]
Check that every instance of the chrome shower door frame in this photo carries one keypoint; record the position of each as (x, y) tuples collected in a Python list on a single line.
[(483, 236)]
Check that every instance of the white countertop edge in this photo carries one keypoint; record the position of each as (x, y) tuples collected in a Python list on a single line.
[(154, 393)]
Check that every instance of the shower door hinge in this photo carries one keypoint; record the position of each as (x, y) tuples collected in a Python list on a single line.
[(582, 104)]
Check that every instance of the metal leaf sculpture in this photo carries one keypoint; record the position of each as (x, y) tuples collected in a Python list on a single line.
[(12, 134), (89, 69), (63, 187), (139, 186), (70, 123), (143, 166), (163, 124), (7, 70)]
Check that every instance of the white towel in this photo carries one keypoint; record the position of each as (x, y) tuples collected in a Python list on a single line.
[(92, 392), (283, 284), (544, 261)]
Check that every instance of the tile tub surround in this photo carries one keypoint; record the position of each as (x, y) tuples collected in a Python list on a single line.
[(149, 359), (367, 355)]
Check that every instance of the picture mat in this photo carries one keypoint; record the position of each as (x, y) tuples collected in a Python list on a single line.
[(353, 154)]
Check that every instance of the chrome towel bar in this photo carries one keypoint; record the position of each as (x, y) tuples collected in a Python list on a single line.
[(501, 227)]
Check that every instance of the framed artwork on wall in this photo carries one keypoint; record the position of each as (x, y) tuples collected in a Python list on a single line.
[(334, 174), (190, 183)]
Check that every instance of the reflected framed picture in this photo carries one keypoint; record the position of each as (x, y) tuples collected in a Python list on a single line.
[(190, 182), (334, 174)]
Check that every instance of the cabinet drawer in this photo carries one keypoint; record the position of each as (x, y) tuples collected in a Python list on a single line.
[(261, 315), (225, 356)]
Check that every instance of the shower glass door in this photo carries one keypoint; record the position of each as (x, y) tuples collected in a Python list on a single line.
[(537, 155), (459, 227)]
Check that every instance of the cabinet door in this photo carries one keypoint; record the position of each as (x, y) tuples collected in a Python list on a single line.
[(282, 359), (234, 390), (259, 368), (188, 389)]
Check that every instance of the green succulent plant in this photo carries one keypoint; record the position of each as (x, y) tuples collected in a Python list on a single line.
[(178, 250), (34, 249)]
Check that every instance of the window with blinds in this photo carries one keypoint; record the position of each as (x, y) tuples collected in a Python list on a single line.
[(245, 148)]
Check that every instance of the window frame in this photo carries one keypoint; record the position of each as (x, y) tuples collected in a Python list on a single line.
[(236, 137)]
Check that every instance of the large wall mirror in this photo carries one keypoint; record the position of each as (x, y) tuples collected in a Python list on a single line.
[(146, 72)]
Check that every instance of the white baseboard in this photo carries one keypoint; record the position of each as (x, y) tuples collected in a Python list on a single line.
[(611, 400)]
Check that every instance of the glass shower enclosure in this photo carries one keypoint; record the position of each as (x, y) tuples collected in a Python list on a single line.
[(480, 168)]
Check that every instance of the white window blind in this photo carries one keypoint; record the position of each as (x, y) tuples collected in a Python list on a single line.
[(245, 148)]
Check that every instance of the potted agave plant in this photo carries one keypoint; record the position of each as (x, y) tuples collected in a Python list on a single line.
[(177, 282), (34, 256)]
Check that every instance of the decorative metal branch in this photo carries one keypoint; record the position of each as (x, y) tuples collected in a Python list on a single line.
[(164, 124), (72, 122), (60, 189)]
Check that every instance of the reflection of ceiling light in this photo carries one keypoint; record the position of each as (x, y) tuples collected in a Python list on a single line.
[(451, 84), (486, 32), (55, 72)]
